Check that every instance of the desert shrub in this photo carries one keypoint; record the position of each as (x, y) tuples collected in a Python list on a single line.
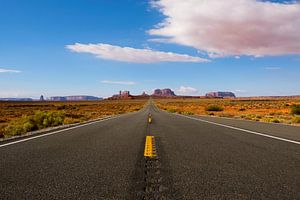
[(37, 121), (87, 117), (296, 120), (1, 131), (171, 110), (250, 117), (18, 127), (226, 115), (187, 113), (214, 108), (69, 120), (62, 107), (295, 109), (74, 115), (74, 107), (275, 121)]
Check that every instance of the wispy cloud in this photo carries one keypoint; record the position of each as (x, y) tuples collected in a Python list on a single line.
[(240, 91), (9, 71), (119, 82), (129, 54), (231, 28), (159, 40), (187, 90), (9, 93), (272, 68)]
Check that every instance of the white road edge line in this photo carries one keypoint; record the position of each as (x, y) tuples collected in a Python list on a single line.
[(240, 129), (51, 133)]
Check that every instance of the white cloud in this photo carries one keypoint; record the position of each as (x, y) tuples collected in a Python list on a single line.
[(240, 91), (14, 94), (231, 27), (128, 54), (159, 40), (272, 68), (119, 82), (9, 71), (187, 90)]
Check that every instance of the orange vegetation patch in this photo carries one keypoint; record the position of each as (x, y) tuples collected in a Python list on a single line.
[(276, 110)]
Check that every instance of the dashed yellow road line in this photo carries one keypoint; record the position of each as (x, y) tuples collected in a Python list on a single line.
[(149, 118), (150, 149)]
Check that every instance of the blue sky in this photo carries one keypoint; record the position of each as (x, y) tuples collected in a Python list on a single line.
[(55, 47)]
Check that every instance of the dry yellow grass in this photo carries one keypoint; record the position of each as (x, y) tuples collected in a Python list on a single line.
[(276, 110)]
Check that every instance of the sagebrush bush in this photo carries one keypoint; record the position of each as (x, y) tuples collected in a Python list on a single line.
[(69, 120), (296, 120), (1, 131), (275, 121), (295, 109), (214, 108), (37, 121), (187, 113), (172, 110)]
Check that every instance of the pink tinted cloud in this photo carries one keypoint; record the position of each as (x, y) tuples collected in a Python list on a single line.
[(133, 55), (231, 27), (186, 90)]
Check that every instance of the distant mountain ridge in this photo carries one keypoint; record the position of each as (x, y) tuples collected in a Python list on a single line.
[(56, 98), (16, 99), (74, 98)]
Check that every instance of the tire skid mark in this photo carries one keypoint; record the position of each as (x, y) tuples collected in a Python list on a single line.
[(154, 188), (152, 178)]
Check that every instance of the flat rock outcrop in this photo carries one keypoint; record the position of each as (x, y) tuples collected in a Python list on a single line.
[(164, 93), (220, 95)]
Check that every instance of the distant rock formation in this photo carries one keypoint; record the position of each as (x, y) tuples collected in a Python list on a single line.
[(74, 98), (220, 95), (164, 93), (58, 98), (122, 95), (16, 99), (82, 98), (144, 94), (42, 98)]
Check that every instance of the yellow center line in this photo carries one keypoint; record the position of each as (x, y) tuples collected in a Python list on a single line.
[(150, 149), (149, 118)]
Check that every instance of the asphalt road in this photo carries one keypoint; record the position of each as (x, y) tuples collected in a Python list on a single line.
[(196, 160)]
